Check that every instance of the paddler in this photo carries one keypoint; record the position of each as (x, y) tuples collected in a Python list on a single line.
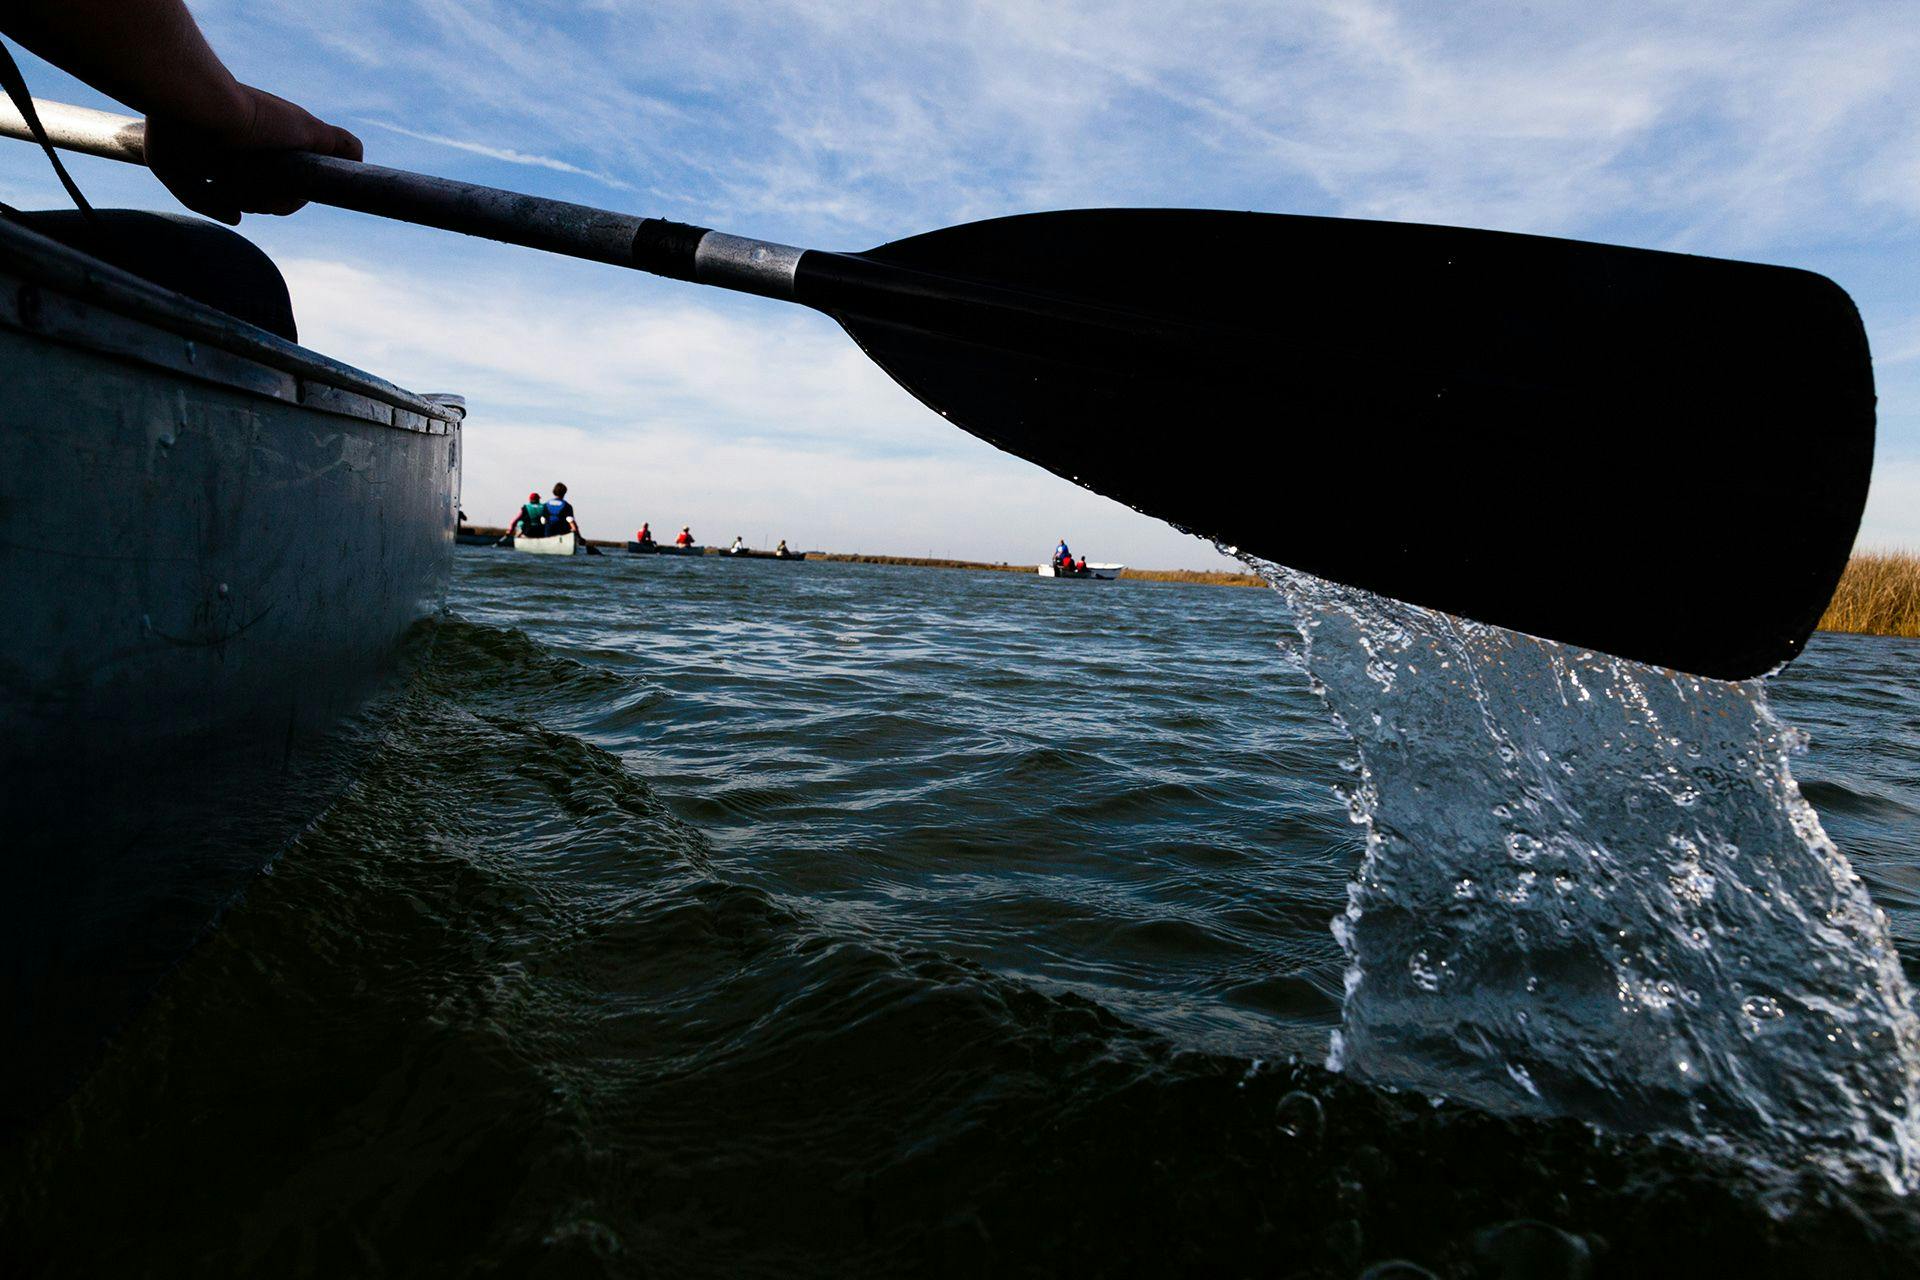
[(739, 545), (530, 520), (685, 538), (645, 536), (559, 513)]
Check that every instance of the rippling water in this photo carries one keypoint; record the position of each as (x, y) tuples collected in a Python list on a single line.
[(722, 918)]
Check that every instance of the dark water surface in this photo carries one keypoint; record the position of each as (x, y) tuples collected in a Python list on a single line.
[(721, 918)]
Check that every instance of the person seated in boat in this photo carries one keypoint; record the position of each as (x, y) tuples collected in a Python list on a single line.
[(739, 545), (1062, 558), (530, 520), (645, 536), (559, 513), (1082, 566), (781, 550), (686, 537)]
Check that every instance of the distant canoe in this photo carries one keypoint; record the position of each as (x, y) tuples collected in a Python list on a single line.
[(559, 544), (664, 549), (744, 554), (1096, 572)]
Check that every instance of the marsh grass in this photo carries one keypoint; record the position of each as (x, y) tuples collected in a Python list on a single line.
[(1879, 594)]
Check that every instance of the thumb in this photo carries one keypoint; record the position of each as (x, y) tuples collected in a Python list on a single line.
[(342, 144)]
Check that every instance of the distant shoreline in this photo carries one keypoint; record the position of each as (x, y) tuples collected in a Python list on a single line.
[(1202, 576), (1879, 594)]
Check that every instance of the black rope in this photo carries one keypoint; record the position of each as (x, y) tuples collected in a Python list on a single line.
[(16, 87)]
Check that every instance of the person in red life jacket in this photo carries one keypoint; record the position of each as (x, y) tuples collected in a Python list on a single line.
[(1082, 566), (645, 536), (529, 519), (686, 537), (560, 513)]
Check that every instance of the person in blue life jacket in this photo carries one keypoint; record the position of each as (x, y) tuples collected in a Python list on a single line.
[(530, 520), (1062, 556), (560, 513)]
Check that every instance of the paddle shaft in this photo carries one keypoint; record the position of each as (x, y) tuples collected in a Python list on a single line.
[(654, 245), (1586, 442), (836, 283)]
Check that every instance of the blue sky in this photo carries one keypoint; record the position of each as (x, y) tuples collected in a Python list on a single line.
[(1776, 132)]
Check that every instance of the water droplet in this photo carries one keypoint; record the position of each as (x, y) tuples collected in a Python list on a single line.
[(1426, 975), (1300, 1116)]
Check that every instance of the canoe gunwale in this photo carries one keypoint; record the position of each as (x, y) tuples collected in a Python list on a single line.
[(61, 295)]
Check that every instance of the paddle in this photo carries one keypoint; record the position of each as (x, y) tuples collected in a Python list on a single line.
[(1659, 456)]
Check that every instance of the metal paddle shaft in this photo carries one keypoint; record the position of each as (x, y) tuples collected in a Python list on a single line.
[(1655, 455)]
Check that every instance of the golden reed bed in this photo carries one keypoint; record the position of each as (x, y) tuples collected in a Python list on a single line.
[(1879, 595)]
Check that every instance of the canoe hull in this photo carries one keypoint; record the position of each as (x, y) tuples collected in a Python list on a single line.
[(559, 544), (215, 543), (663, 549), (221, 559)]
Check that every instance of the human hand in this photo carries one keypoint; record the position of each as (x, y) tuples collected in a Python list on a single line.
[(209, 170)]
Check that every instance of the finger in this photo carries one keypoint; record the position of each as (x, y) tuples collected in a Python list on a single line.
[(241, 192), (343, 144), (202, 198), (277, 204)]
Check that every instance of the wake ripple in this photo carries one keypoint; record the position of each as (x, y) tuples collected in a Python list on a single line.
[(1593, 888)]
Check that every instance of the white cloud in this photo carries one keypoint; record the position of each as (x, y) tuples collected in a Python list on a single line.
[(1892, 517), (501, 153), (754, 419)]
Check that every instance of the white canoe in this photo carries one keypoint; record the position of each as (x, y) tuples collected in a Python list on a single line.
[(1103, 572), (560, 544)]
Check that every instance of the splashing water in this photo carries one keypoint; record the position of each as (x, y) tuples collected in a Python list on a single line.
[(1593, 888)]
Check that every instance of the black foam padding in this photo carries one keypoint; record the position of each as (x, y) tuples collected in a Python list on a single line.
[(193, 257)]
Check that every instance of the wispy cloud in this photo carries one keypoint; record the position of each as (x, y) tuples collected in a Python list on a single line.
[(1892, 517), (750, 417), (501, 153)]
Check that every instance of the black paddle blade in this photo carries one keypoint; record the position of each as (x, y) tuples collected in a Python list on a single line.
[(1659, 456)]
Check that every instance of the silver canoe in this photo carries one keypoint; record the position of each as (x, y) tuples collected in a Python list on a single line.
[(558, 544), (212, 542), (208, 526)]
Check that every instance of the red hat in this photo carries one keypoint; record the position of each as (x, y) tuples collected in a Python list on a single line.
[(533, 497)]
